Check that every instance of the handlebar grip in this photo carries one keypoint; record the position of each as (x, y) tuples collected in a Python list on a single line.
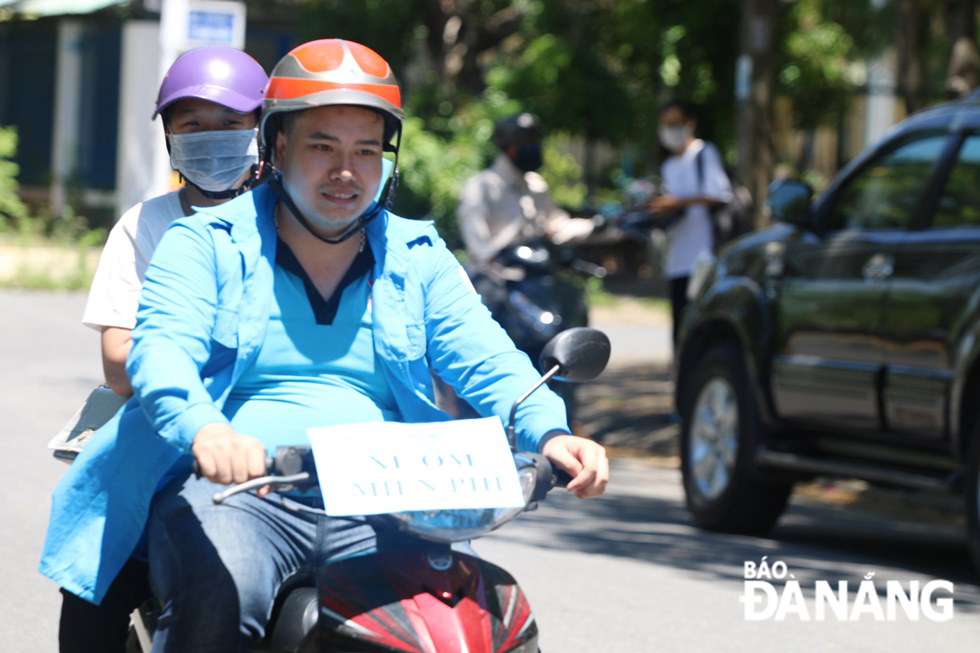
[(562, 478), (196, 466)]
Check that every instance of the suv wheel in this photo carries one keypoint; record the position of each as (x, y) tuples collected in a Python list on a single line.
[(719, 436)]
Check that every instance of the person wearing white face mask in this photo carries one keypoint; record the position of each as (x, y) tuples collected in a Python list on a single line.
[(695, 182), (209, 103)]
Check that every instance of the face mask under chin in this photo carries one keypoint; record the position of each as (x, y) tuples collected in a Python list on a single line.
[(323, 226), (214, 161)]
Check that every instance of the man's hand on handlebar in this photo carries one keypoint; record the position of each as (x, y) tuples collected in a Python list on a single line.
[(582, 459), (224, 456)]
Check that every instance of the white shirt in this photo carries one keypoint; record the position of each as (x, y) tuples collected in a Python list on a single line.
[(692, 235), (501, 204), (114, 295)]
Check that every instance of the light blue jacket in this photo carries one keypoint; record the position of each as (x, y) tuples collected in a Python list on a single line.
[(202, 318)]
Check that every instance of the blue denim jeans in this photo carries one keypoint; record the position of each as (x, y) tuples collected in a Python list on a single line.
[(217, 568)]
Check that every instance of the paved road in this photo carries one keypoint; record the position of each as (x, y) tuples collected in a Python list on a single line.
[(622, 574), (48, 363), (627, 573)]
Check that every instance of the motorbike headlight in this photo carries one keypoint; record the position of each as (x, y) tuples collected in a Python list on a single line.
[(533, 255), (544, 323), (460, 525), (703, 267)]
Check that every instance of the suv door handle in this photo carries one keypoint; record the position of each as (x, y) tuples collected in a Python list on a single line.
[(879, 267)]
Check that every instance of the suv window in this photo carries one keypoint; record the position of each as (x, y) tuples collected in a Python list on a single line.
[(885, 193), (959, 204)]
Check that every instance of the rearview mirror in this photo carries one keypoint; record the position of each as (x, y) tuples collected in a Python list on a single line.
[(576, 354), (581, 353), (789, 202)]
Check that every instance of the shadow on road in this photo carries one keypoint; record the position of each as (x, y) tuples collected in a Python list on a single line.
[(817, 542), (821, 537), (630, 407)]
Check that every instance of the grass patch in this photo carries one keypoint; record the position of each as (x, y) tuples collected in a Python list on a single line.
[(597, 295), (41, 264)]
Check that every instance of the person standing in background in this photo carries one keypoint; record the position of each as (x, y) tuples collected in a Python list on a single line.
[(695, 182)]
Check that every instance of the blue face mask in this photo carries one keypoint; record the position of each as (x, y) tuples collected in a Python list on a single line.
[(214, 160), (528, 157)]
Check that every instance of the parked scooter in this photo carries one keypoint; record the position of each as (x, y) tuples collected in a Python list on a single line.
[(417, 593)]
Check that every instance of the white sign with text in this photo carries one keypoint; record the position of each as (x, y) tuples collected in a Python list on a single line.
[(381, 467)]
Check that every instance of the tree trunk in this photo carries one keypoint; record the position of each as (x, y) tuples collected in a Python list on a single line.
[(963, 72), (754, 82), (911, 27)]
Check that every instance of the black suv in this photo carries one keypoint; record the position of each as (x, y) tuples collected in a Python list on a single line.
[(844, 339)]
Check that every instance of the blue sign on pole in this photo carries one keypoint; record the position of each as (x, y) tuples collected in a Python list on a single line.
[(216, 27)]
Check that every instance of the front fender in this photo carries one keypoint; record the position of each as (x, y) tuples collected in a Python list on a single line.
[(733, 309)]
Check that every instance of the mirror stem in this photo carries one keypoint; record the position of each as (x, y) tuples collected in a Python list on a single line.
[(511, 430)]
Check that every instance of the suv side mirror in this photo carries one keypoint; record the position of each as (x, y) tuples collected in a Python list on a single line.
[(789, 202)]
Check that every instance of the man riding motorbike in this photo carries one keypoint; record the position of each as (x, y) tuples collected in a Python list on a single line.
[(301, 303), (509, 201), (507, 206)]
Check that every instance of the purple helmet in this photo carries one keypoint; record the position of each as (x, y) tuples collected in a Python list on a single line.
[(219, 74)]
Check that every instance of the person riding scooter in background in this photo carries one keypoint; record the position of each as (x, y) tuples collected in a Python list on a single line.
[(509, 201), (514, 236), (302, 303), (209, 103)]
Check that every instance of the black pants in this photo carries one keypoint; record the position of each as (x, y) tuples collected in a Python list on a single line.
[(678, 301), (89, 628)]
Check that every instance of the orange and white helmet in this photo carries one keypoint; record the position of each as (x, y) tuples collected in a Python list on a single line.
[(330, 72)]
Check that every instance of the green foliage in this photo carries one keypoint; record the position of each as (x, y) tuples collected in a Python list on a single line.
[(562, 172), (433, 167), (695, 57), (13, 213), (814, 68), (54, 252), (383, 25), (594, 71)]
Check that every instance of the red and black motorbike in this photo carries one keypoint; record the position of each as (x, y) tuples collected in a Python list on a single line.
[(418, 593)]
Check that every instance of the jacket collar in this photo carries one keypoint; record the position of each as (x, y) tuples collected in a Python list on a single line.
[(246, 215), (510, 173)]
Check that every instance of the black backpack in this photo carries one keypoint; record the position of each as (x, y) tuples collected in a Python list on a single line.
[(733, 219)]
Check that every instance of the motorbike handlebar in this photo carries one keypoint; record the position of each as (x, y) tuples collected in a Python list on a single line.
[(196, 466), (562, 478), (293, 466)]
